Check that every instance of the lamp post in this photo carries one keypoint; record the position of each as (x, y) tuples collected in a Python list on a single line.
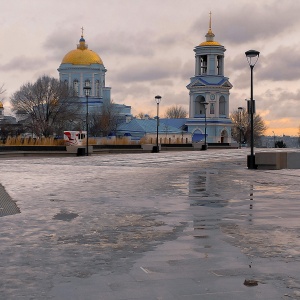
[(240, 109), (205, 145), (274, 139), (157, 99), (87, 90), (252, 58)]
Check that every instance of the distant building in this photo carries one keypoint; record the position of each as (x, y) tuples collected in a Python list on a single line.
[(209, 93), (169, 131), (6, 119), (209, 97), (83, 67), (289, 141), (8, 125)]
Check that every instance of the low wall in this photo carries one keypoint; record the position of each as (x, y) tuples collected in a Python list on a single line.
[(277, 160), (32, 148)]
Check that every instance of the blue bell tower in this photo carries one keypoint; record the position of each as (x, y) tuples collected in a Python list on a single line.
[(209, 93)]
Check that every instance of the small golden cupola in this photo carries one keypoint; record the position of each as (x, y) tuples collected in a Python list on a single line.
[(1, 105), (210, 36), (82, 55)]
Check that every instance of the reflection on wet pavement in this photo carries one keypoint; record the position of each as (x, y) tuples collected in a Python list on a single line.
[(98, 215)]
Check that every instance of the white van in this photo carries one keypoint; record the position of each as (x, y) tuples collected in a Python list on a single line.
[(74, 138)]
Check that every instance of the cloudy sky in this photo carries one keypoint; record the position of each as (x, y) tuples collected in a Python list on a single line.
[(147, 48)]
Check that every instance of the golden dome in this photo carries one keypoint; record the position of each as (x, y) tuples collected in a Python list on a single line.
[(1, 105), (82, 55), (210, 43)]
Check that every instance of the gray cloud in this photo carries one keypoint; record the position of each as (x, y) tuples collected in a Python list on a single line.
[(250, 21), (23, 63), (150, 70), (125, 44), (281, 65)]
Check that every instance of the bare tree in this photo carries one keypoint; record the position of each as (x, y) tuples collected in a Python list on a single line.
[(46, 105), (176, 112), (105, 121), (2, 91), (142, 115), (242, 127)]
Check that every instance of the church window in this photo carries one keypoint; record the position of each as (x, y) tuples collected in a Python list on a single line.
[(212, 108), (76, 87), (203, 64), (222, 110), (219, 64), (87, 83), (199, 106), (97, 88), (66, 82)]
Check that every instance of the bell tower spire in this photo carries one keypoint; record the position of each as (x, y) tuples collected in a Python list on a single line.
[(210, 35)]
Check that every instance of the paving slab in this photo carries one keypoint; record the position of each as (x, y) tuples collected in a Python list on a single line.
[(179, 225)]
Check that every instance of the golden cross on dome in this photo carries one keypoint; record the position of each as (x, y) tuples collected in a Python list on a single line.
[(81, 31), (210, 20)]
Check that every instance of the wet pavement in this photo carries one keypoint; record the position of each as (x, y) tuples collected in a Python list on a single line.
[(169, 225)]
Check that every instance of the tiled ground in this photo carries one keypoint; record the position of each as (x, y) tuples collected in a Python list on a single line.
[(182, 225)]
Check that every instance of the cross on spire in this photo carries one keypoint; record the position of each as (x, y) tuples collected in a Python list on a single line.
[(81, 31), (210, 20)]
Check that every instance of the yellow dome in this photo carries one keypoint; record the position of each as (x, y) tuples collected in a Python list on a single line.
[(210, 43), (82, 55), (1, 104)]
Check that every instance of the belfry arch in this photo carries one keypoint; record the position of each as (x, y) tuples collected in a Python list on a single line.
[(199, 105)]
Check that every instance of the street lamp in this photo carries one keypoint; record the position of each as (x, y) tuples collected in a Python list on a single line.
[(87, 90), (205, 145), (274, 139), (157, 99), (252, 58), (240, 109)]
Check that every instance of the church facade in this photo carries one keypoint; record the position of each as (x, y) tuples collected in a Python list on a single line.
[(83, 67), (209, 94)]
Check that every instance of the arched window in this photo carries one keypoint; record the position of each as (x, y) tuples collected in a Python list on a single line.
[(87, 83), (212, 109), (66, 82), (222, 108), (203, 64), (219, 65), (76, 87), (199, 106), (97, 88)]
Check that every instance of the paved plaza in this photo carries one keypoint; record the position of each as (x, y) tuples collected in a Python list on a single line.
[(168, 225)]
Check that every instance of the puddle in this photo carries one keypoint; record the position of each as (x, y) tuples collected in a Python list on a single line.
[(65, 216)]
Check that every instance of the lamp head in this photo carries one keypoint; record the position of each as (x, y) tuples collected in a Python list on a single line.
[(157, 99), (240, 109), (252, 57)]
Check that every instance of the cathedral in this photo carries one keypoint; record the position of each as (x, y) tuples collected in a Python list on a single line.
[(83, 67)]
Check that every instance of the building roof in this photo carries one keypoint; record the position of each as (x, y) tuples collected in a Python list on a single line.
[(176, 123), (147, 126), (82, 55)]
